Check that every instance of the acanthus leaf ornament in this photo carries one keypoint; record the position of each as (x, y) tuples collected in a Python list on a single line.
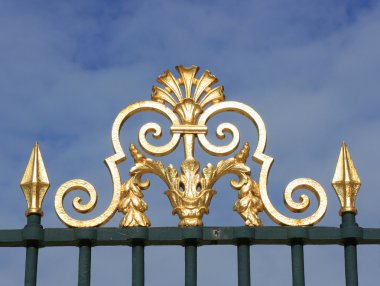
[(188, 103), (189, 203), (131, 201)]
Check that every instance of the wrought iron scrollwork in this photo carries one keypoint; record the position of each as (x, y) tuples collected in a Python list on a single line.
[(111, 163), (189, 103)]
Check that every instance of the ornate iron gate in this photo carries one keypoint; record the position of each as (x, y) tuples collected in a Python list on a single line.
[(188, 103)]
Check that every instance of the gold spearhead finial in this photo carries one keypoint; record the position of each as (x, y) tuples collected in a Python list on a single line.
[(35, 182), (346, 181)]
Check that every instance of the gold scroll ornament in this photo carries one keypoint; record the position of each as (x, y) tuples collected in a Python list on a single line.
[(188, 103)]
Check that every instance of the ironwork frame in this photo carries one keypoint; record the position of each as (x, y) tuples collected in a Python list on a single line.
[(190, 193), (33, 237)]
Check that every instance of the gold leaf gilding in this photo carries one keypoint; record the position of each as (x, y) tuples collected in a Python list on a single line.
[(189, 103), (35, 182), (346, 181)]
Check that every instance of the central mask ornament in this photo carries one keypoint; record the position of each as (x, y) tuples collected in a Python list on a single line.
[(188, 103)]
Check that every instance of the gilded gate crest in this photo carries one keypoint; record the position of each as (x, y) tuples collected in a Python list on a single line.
[(188, 103)]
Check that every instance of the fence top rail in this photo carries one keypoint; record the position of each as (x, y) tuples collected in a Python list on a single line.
[(108, 236)]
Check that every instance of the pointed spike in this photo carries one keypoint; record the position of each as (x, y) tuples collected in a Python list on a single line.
[(35, 182), (345, 170), (35, 171), (346, 181), (352, 174)]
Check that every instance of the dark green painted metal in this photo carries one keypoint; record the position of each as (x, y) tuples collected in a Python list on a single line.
[(32, 234), (350, 252), (244, 268), (298, 271), (33, 237), (138, 271), (84, 269), (191, 264), (279, 235), (31, 266)]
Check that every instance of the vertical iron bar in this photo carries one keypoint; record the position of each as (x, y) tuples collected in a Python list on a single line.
[(138, 272), (191, 264), (84, 269), (31, 266), (350, 253), (244, 269), (298, 271), (350, 257), (34, 221)]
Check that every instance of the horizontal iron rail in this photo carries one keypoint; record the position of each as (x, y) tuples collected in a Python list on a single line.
[(280, 235)]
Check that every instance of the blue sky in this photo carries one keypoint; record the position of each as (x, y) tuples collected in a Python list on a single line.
[(310, 68)]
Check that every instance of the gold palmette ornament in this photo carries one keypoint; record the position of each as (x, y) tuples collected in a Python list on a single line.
[(188, 103), (35, 182), (346, 181)]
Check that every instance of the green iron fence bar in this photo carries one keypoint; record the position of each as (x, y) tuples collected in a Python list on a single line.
[(138, 267), (244, 268), (33, 234), (351, 268), (31, 265), (279, 235), (191, 264), (350, 253), (84, 269), (140, 236), (298, 272)]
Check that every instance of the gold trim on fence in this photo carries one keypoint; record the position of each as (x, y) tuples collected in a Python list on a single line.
[(346, 181), (189, 103), (35, 182)]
